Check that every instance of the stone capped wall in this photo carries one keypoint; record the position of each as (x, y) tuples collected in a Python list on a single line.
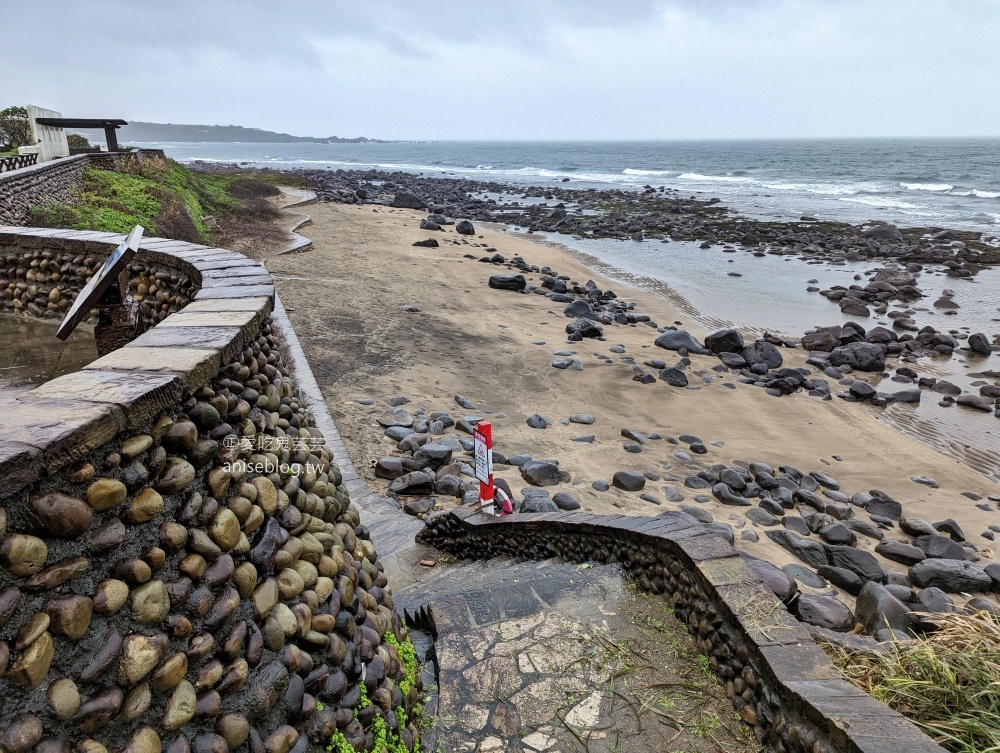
[(778, 680), (181, 567), (58, 180), (43, 281)]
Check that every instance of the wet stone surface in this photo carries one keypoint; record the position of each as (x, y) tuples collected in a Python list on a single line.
[(562, 657)]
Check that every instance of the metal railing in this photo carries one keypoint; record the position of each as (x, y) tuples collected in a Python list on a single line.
[(17, 161)]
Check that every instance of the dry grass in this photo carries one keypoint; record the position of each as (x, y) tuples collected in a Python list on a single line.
[(947, 682)]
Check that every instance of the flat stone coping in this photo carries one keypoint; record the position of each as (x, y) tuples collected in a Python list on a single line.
[(305, 196), (788, 659), (298, 242), (49, 427), (360, 493)]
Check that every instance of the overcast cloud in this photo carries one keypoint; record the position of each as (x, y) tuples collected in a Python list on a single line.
[(519, 69)]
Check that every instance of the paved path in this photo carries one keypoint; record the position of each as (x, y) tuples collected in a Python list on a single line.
[(553, 656)]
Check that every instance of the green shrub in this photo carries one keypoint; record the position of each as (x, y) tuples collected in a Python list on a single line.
[(128, 194), (53, 214), (77, 141)]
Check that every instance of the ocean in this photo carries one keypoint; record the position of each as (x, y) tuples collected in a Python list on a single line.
[(951, 183)]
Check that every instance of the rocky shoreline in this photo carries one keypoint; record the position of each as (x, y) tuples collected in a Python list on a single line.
[(652, 213), (842, 550), (807, 514)]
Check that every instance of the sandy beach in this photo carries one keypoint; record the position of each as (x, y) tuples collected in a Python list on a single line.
[(346, 295)]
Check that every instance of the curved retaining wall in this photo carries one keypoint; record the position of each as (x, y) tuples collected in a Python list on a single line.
[(40, 276), (780, 682), (181, 566)]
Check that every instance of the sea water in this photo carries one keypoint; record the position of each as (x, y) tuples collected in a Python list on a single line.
[(951, 183)]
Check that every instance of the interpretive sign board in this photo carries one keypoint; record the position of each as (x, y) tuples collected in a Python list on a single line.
[(101, 283)]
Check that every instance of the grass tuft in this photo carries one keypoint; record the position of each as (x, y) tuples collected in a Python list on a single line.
[(947, 682)]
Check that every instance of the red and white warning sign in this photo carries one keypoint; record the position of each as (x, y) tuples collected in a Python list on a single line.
[(483, 440)]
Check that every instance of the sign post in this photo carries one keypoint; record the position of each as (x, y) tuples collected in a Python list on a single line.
[(483, 438), (119, 321)]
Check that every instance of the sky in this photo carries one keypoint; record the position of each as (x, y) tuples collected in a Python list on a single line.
[(517, 69)]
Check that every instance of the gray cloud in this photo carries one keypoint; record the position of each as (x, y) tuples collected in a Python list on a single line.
[(519, 69)]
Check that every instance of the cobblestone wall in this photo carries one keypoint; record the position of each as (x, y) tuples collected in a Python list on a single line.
[(181, 566), (58, 180), (778, 680), (54, 181), (43, 282)]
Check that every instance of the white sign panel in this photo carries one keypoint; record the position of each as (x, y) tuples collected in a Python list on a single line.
[(484, 457), (51, 141)]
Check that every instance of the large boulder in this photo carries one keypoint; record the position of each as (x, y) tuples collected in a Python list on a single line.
[(864, 564), (389, 468), (939, 547), (762, 352), (724, 341), (883, 232), (537, 503), (854, 307), (900, 551), (825, 612), (678, 339), (584, 328), (405, 200), (412, 484), (979, 344), (953, 576), (884, 507), (896, 277), (781, 583), (881, 335), (508, 282), (433, 455), (820, 341), (732, 360), (630, 481), (564, 501), (581, 308), (881, 612), (811, 552), (465, 228), (842, 578), (860, 356), (674, 377), (540, 473)]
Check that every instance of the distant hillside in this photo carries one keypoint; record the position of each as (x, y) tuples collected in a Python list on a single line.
[(137, 131)]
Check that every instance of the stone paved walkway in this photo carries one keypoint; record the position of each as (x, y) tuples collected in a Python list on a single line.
[(552, 656)]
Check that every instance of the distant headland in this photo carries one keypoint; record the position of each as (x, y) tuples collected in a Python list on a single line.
[(138, 131)]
